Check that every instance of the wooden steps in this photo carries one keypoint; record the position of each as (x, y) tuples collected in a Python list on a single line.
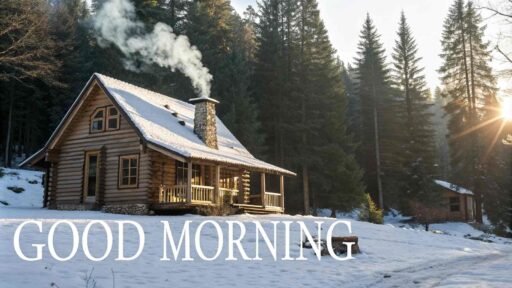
[(257, 209)]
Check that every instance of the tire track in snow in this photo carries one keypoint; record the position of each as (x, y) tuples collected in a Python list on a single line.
[(431, 274)]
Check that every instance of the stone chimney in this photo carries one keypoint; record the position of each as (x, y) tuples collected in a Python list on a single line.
[(205, 125)]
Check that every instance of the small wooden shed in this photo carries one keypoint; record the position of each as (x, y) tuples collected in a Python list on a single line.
[(457, 202)]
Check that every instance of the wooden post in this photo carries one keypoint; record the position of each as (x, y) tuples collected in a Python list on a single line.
[(465, 199), (281, 190), (240, 184), (263, 188), (46, 184), (216, 184), (53, 185), (189, 182)]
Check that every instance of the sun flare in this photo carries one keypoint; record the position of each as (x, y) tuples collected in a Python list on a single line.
[(506, 108)]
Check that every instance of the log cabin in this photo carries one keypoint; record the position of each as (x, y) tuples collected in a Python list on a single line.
[(124, 149)]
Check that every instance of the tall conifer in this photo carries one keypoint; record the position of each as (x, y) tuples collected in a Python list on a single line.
[(374, 90), (468, 81), (418, 146)]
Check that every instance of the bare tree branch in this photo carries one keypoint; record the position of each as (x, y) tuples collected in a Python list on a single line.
[(496, 12), (27, 50), (503, 54)]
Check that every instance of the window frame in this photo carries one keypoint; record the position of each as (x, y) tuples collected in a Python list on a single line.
[(228, 179), (94, 119), (104, 119), (130, 157), (85, 173), (454, 205), (108, 117), (181, 172)]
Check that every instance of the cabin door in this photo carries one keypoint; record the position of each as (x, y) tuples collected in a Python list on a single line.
[(91, 176)]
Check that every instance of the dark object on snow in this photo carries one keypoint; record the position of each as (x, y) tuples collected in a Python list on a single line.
[(339, 247), (3, 202), (306, 244), (387, 276), (32, 181), (16, 189)]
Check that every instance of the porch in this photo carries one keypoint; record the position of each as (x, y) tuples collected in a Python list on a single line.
[(185, 185)]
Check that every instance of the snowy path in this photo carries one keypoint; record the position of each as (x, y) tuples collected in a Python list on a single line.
[(473, 271)]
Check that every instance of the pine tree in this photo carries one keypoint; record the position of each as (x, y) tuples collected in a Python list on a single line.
[(277, 42), (299, 87), (227, 44), (353, 102), (326, 151), (418, 146), (241, 116), (440, 124), (374, 90), (469, 83), (74, 49)]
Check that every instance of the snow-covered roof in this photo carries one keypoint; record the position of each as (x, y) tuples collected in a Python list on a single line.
[(169, 124), (453, 187)]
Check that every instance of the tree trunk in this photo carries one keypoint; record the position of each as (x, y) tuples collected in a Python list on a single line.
[(377, 157), (377, 141), (305, 187), (7, 156), (478, 207)]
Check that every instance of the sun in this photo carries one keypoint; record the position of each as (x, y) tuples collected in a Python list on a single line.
[(506, 108)]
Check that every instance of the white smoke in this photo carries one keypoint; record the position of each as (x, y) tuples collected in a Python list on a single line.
[(116, 23)]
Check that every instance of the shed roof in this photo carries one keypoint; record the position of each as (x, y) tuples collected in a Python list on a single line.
[(453, 187)]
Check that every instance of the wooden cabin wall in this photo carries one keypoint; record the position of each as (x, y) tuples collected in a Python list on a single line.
[(71, 154), (449, 215), (164, 170)]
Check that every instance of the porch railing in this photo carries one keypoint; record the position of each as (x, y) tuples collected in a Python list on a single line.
[(202, 193), (178, 194), (205, 194), (272, 199), (173, 194)]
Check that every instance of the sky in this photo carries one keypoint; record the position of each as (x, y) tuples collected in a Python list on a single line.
[(344, 20)]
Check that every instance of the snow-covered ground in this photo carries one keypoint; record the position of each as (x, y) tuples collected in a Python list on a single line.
[(27, 184), (392, 256)]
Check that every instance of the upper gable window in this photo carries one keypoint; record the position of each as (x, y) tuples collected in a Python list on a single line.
[(98, 119), (112, 118), (105, 119)]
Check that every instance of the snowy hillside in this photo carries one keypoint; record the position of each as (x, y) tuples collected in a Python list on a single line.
[(393, 255), (20, 188)]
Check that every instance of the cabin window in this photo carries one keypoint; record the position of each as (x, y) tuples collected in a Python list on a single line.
[(128, 171), (112, 118), (105, 119), (97, 122), (182, 173), (454, 204)]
